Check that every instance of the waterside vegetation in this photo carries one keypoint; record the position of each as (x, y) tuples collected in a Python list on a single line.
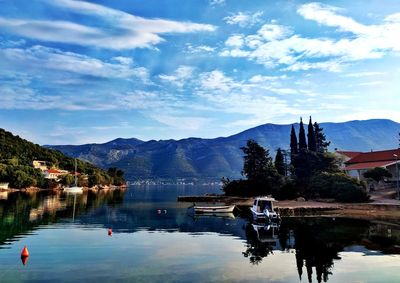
[(312, 172), (17, 156)]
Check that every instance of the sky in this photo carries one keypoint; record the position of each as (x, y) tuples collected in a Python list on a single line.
[(74, 72)]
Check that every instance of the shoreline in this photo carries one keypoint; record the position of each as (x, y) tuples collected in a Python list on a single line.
[(96, 188), (290, 208)]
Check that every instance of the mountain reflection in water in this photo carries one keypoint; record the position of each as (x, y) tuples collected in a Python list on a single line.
[(316, 245)]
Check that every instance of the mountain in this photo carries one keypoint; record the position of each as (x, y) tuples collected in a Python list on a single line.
[(214, 158)]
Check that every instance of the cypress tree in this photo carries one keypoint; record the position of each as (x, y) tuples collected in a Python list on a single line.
[(279, 162), (320, 139), (302, 137), (312, 146), (294, 149)]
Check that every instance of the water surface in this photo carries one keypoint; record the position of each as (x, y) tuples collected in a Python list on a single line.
[(156, 239)]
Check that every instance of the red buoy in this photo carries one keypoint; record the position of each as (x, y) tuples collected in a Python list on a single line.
[(24, 255), (25, 252), (24, 259), (109, 232)]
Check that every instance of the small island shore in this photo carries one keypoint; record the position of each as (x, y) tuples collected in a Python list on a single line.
[(381, 207)]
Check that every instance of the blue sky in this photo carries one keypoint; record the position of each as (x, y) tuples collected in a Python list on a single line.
[(76, 72)]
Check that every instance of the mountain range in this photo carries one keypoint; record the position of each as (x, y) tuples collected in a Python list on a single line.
[(215, 158)]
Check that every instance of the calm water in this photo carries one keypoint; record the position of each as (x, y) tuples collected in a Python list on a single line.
[(156, 239)]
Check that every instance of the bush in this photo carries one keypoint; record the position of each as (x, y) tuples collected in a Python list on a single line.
[(287, 190), (338, 186), (247, 188), (377, 174)]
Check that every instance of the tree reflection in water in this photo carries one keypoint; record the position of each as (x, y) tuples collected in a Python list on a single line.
[(24, 212), (316, 242)]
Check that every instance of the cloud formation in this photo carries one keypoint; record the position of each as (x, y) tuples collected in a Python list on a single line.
[(244, 19), (277, 45), (124, 31)]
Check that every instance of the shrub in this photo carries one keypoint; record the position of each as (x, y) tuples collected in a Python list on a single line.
[(338, 186)]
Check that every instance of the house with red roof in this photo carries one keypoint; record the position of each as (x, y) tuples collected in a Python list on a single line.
[(54, 174), (364, 161), (343, 156)]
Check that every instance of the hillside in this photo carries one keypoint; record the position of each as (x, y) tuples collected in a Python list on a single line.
[(214, 158), (17, 156)]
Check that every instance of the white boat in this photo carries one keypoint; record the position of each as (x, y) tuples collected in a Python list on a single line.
[(214, 209), (263, 208), (75, 189)]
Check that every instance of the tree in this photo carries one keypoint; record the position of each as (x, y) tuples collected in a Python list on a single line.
[(280, 163), (377, 174), (311, 137), (257, 162), (294, 147), (320, 138), (302, 137)]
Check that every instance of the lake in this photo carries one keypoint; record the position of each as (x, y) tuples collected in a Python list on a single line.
[(156, 239)]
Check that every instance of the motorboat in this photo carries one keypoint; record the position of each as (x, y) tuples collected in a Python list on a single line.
[(263, 208), (214, 209)]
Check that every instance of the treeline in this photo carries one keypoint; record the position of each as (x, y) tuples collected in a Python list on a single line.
[(312, 171), (17, 155)]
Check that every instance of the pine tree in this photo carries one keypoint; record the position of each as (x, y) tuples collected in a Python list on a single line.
[(258, 164), (294, 147), (320, 138), (279, 162), (302, 137), (311, 137)]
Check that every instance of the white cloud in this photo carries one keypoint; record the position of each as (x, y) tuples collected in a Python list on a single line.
[(179, 77), (244, 19), (199, 49), (41, 57), (217, 2), (124, 31), (235, 41), (276, 45)]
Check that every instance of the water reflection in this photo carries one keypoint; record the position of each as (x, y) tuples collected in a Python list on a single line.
[(23, 212), (312, 248)]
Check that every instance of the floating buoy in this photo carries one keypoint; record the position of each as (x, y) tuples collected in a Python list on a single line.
[(24, 259), (109, 232), (165, 211), (159, 211), (24, 255), (25, 252)]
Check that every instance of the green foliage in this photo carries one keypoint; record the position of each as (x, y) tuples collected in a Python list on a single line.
[(302, 137), (377, 174), (320, 138), (67, 180), (312, 146), (117, 175), (257, 162), (17, 156), (280, 163), (294, 147), (338, 186), (307, 163), (262, 177)]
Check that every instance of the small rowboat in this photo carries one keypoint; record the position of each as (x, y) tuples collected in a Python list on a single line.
[(214, 209)]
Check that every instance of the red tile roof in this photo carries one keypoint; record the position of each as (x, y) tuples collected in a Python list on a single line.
[(375, 156), (367, 165), (53, 171), (350, 154)]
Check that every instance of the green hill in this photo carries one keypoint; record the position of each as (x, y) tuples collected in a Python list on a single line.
[(17, 156)]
